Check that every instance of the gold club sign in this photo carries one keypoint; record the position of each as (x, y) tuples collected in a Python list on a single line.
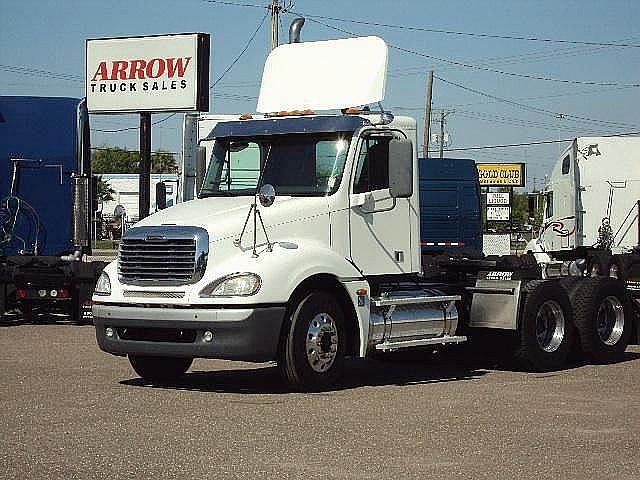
[(501, 174)]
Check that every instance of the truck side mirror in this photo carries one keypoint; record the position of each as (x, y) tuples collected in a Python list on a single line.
[(161, 196), (400, 168), (201, 166)]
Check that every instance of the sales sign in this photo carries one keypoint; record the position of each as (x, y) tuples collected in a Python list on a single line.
[(494, 198), (148, 74), (501, 174), (498, 213)]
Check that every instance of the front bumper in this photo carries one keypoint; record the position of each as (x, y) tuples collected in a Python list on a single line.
[(249, 334)]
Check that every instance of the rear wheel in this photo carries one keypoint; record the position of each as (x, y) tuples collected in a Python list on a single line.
[(599, 267), (160, 369), (546, 334), (603, 317), (312, 355)]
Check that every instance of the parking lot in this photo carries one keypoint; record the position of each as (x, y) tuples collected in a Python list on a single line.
[(72, 411)]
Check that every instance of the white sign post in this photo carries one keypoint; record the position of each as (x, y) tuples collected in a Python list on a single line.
[(163, 73), (148, 74)]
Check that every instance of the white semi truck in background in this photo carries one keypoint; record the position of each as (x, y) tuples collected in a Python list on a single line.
[(591, 217), (305, 246)]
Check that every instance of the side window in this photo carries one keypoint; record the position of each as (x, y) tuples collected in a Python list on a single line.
[(244, 163), (566, 164), (372, 172), (549, 205)]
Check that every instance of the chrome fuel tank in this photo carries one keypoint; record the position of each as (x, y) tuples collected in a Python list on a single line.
[(432, 315)]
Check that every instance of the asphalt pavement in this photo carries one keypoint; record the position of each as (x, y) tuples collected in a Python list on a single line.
[(71, 411)]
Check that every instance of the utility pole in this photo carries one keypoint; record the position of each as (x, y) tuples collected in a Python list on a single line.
[(144, 182), (275, 21), (443, 115), (427, 116)]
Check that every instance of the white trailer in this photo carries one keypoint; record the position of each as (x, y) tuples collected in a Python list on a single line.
[(303, 246)]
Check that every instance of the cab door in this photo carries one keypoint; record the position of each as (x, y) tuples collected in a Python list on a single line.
[(380, 233)]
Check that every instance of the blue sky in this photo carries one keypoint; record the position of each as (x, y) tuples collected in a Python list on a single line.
[(42, 53)]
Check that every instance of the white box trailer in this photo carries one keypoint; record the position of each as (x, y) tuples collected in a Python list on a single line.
[(126, 186)]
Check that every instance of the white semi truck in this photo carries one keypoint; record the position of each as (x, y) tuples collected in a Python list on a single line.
[(304, 246), (592, 206)]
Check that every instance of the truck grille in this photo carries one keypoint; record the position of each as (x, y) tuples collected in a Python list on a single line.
[(162, 255)]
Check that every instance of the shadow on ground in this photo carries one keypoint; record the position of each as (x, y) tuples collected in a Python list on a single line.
[(416, 367), (408, 368)]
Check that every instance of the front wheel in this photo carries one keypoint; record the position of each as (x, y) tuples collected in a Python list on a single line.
[(160, 369), (546, 333), (312, 355)]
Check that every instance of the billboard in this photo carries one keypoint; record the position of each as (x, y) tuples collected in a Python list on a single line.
[(494, 198), (148, 74), (501, 174), (501, 214)]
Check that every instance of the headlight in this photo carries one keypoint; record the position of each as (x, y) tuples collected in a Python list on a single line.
[(103, 285), (237, 284)]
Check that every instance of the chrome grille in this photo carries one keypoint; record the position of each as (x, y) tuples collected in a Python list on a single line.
[(165, 255)]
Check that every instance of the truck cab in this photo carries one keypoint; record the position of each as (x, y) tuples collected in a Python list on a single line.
[(304, 244)]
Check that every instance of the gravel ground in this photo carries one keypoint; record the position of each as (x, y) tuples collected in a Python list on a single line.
[(72, 411)]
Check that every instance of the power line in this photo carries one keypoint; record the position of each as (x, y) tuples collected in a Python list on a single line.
[(531, 108), (526, 144), (246, 47), (236, 4), (226, 70), (486, 69), (471, 34)]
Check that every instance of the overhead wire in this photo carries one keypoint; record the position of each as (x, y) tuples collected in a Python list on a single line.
[(526, 144), (469, 34), (558, 115), (484, 68)]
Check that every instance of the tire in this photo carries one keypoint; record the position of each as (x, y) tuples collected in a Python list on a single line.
[(312, 354), (603, 317), (546, 334), (160, 369)]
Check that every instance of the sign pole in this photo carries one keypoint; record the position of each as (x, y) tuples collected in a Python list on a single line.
[(144, 187)]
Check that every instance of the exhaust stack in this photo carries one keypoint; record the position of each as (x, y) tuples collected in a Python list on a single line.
[(294, 30)]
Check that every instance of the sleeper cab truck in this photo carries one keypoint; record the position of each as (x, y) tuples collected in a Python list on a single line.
[(305, 246), (46, 208), (591, 218)]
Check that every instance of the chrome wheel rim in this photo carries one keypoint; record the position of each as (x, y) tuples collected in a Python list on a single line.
[(550, 326), (322, 342), (610, 320), (614, 271)]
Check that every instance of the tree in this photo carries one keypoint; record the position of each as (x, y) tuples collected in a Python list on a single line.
[(105, 192), (119, 160)]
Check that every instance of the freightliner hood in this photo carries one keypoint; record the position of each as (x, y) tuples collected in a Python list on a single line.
[(224, 217)]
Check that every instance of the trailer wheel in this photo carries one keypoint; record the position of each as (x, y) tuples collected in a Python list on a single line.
[(546, 334), (312, 355), (160, 369), (617, 269), (603, 316)]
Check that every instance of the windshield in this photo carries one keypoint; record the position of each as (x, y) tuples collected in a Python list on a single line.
[(302, 165)]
